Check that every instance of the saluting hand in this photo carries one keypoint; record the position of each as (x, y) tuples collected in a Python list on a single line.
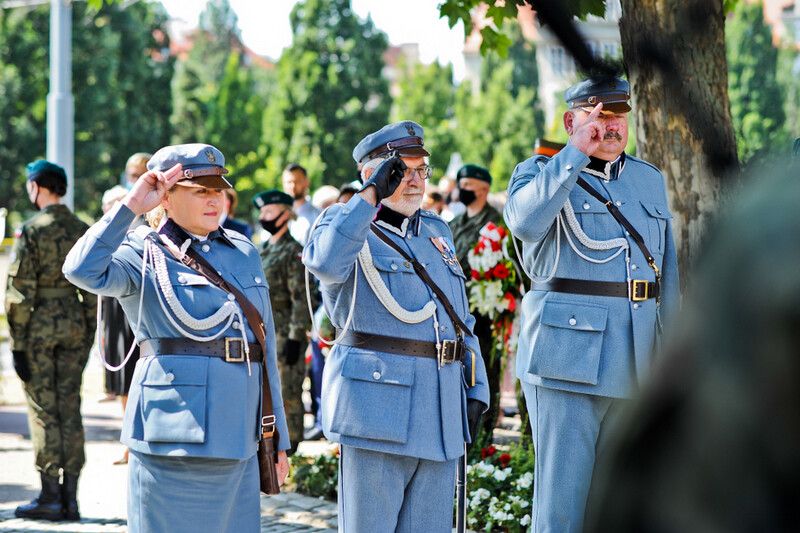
[(587, 135), (150, 188)]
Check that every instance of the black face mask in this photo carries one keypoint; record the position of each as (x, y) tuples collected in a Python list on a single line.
[(36, 199), (465, 196), (271, 226)]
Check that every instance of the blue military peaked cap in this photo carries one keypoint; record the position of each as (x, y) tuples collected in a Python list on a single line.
[(612, 92), (272, 196), (404, 137), (203, 165)]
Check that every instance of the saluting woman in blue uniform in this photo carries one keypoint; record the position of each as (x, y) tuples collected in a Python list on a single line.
[(194, 411)]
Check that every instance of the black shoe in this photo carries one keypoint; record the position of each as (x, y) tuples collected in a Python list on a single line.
[(314, 433), (69, 497), (46, 506)]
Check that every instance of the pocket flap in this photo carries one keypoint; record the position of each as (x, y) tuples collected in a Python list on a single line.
[(656, 210), (392, 263), (586, 204), (173, 370), (573, 315), (246, 279), (367, 367), (186, 278)]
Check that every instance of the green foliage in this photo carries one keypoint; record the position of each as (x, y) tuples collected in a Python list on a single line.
[(316, 476), (121, 88), (499, 123), (500, 488), (330, 93), (426, 96), (752, 82)]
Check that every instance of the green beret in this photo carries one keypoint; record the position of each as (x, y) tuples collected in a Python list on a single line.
[(35, 169), (474, 171), (272, 196)]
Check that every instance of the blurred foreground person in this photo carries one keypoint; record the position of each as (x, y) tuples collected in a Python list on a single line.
[(195, 412), (712, 443), (52, 326)]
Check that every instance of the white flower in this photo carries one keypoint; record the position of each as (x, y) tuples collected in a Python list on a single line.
[(525, 480), (507, 507), (524, 503), (480, 494), (315, 469), (500, 475), (525, 520)]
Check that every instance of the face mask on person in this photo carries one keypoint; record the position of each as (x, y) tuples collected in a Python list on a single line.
[(466, 196), (271, 225), (35, 199)]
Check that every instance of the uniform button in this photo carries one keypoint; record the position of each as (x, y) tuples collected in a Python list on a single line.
[(586, 205), (406, 264), (394, 267), (235, 324), (169, 377), (376, 375), (181, 279), (658, 211), (618, 203), (257, 279), (636, 306), (628, 233), (572, 321), (205, 248), (408, 236), (346, 211), (634, 267), (231, 297), (568, 167)]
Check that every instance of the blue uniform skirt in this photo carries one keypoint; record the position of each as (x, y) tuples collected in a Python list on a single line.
[(192, 494)]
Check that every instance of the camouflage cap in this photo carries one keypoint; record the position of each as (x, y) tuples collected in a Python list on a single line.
[(404, 137), (272, 196), (203, 165)]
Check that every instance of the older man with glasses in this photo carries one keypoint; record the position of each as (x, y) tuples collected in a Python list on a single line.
[(405, 385)]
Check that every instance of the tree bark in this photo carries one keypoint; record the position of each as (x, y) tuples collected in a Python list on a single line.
[(674, 51)]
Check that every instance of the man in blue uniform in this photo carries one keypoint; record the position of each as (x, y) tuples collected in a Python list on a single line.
[(406, 376), (601, 288)]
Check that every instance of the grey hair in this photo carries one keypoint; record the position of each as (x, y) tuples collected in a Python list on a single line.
[(371, 164)]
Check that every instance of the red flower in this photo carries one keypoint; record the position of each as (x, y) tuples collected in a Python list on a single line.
[(490, 226), (479, 247), (476, 275), (505, 459), (500, 271), (512, 302), (502, 231), (496, 246), (490, 450), (487, 274)]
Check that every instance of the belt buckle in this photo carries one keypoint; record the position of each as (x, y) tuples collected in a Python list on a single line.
[(267, 425), (229, 356), (639, 290), (449, 351)]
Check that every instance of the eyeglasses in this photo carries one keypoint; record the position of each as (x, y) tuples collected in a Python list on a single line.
[(423, 172)]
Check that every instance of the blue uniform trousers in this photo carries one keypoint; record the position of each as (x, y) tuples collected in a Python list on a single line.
[(192, 494), (570, 433), (383, 492)]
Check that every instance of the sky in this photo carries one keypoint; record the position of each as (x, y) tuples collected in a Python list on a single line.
[(265, 25)]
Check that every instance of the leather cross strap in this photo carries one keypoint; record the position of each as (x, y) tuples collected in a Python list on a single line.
[(422, 273), (615, 212)]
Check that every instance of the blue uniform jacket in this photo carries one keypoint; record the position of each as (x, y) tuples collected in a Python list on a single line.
[(597, 345), (383, 401), (183, 405)]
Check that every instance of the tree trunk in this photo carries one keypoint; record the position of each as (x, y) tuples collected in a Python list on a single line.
[(675, 55)]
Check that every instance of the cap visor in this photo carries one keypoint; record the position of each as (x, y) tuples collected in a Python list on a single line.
[(413, 151), (209, 182)]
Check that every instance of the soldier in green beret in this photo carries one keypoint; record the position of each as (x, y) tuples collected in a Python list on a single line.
[(284, 271), (52, 326), (473, 191)]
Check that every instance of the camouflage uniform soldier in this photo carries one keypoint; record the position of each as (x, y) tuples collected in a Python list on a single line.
[(283, 268), (52, 327), (473, 189)]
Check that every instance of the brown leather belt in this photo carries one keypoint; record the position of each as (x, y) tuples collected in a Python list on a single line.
[(230, 348), (452, 350), (637, 290)]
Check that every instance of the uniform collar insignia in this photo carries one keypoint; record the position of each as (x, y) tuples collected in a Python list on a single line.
[(178, 235), (605, 170), (396, 222)]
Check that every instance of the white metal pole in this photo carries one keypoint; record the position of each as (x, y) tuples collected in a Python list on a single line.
[(60, 102)]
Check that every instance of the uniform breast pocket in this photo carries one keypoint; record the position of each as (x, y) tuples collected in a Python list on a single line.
[(192, 289), (569, 342), (173, 399), (595, 220), (375, 397), (657, 218), (398, 274), (254, 286)]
